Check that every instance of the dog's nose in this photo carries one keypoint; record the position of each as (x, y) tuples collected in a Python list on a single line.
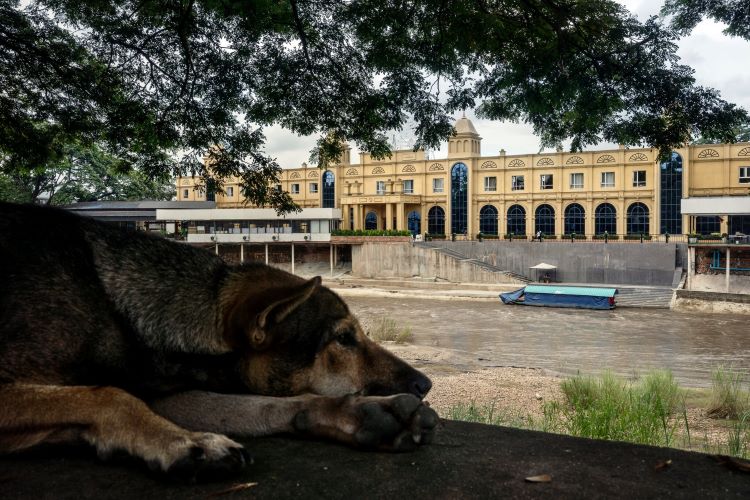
[(420, 386)]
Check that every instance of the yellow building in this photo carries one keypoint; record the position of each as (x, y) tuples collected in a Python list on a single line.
[(619, 191)]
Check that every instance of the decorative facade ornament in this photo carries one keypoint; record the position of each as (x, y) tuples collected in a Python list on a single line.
[(436, 166), (605, 159), (295, 175), (378, 170), (516, 163), (409, 168), (313, 175), (352, 171), (574, 160), (744, 152), (545, 161), (638, 157), (708, 153), (489, 164)]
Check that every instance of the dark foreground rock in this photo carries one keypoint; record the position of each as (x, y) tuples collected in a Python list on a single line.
[(465, 461)]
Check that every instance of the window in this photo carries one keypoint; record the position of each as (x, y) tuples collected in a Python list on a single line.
[(185, 193), (744, 175), (605, 219), (670, 210), (608, 179), (459, 198), (371, 221), (639, 178), (230, 192), (576, 181), (380, 187), (278, 187), (488, 219), (329, 190), (545, 181), (295, 188), (490, 183), (637, 220), (707, 224), (545, 220), (437, 185), (313, 187), (516, 220), (413, 222), (516, 183), (575, 218), (409, 187), (436, 221)]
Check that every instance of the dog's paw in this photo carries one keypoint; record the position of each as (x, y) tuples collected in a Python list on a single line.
[(386, 423), (205, 456), (395, 423)]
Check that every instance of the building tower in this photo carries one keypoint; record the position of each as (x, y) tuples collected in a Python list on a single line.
[(466, 143)]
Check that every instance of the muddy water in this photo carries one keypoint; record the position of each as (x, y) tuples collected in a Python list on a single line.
[(626, 341)]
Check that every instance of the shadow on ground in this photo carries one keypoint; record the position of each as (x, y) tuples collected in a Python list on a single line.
[(465, 461)]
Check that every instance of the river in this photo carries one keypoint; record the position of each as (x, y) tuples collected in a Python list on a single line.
[(626, 341)]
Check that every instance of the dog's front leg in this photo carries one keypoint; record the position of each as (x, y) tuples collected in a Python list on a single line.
[(391, 423), (111, 420)]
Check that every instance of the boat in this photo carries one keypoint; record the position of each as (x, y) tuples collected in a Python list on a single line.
[(562, 296)]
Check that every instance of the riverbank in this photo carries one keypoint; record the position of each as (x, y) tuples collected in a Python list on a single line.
[(517, 395)]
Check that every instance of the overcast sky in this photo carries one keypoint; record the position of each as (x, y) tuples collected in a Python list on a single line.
[(719, 61)]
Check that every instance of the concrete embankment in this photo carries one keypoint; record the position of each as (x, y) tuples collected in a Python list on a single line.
[(712, 302)]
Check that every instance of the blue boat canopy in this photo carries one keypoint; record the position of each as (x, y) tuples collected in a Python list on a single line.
[(572, 290), (562, 296)]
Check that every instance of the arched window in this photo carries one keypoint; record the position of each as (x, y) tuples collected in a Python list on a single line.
[(329, 190), (671, 195), (459, 198), (516, 220), (707, 224), (575, 219), (414, 222), (605, 219), (436, 221), (371, 220), (545, 220), (488, 220), (637, 219)]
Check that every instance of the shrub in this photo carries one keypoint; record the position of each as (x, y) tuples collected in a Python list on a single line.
[(574, 236), (609, 237), (369, 232), (607, 407), (728, 399), (389, 331), (646, 237), (515, 236)]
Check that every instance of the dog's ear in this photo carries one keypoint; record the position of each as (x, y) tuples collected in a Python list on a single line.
[(278, 311)]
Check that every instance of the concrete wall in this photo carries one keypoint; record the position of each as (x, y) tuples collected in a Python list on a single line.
[(614, 263), (712, 302), (402, 260)]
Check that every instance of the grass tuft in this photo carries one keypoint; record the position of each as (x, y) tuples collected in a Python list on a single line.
[(390, 331), (728, 398)]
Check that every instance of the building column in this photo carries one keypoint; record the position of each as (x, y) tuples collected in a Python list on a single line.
[(357, 217), (330, 255), (345, 216), (502, 220), (242, 253), (388, 215), (400, 217), (622, 217), (559, 218), (266, 253), (728, 266), (691, 267), (724, 224), (589, 225), (292, 258)]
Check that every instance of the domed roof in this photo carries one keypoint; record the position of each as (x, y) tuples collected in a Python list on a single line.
[(464, 126)]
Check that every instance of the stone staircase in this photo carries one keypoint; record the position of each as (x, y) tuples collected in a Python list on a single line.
[(474, 262), (649, 297)]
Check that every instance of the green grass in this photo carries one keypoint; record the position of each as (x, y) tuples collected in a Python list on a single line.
[(729, 398), (388, 330), (651, 410)]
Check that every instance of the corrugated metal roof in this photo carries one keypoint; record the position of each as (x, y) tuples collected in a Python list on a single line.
[(572, 290)]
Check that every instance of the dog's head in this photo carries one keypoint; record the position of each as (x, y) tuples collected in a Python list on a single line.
[(297, 336)]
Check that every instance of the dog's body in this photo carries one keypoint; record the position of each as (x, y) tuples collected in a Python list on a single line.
[(95, 320)]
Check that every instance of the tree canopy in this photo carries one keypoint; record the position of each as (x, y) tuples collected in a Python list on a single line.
[(158, 84)]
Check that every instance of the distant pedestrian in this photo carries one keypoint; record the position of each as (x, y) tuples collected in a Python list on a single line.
[(539, 236)]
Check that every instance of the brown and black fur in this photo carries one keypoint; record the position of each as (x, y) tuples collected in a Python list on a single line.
[(131, 342)]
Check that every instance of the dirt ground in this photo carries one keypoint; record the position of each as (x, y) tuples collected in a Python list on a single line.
[(518, 391)]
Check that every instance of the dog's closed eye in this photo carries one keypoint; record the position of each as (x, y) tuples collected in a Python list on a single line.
[(347, 338)]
